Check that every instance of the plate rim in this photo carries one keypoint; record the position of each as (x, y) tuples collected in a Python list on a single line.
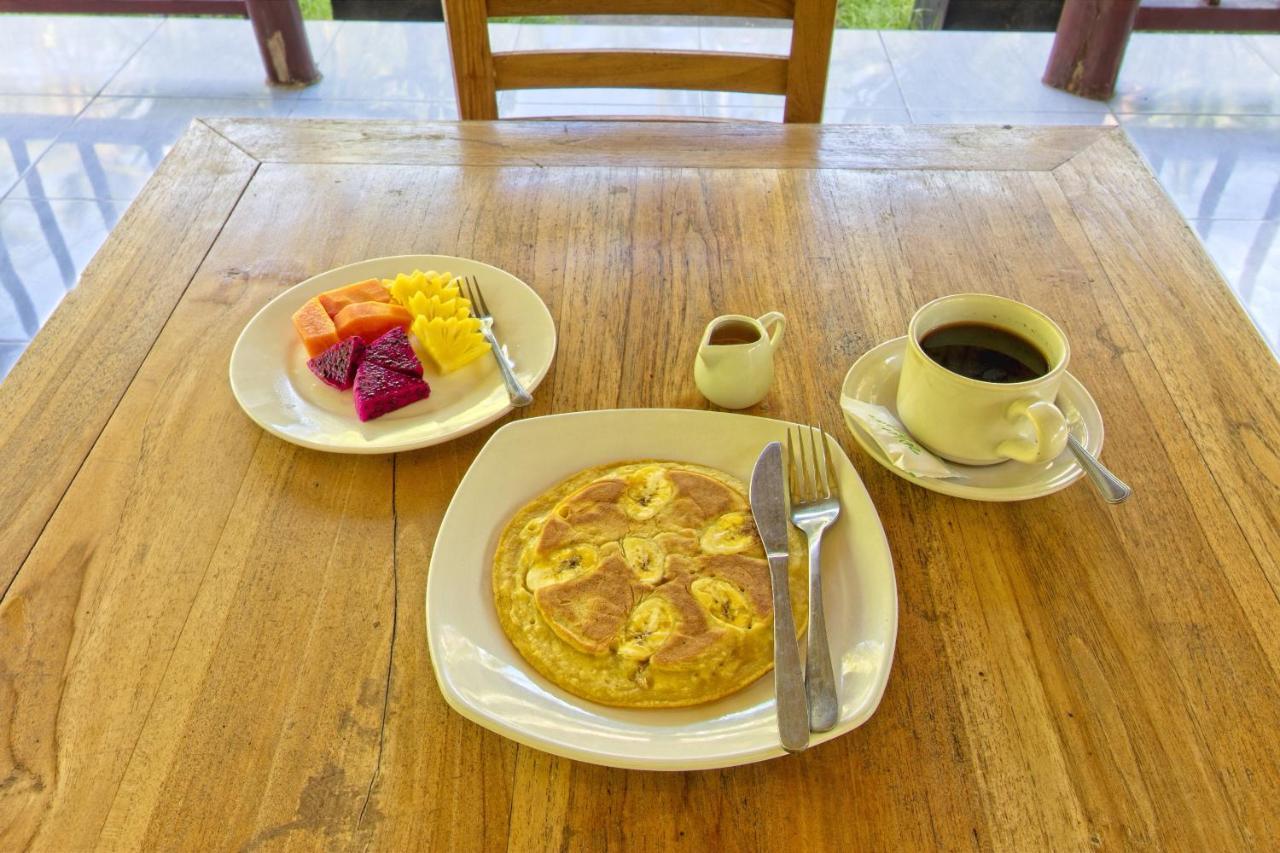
[(1003, 494), (625, 761), (403, 446)]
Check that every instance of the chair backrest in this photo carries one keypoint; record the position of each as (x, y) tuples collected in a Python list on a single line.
[(479, 73)]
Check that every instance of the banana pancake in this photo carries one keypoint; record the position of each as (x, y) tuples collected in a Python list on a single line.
[(642, 584)]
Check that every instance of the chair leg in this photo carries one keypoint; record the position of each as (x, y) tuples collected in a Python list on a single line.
[(282, 40), (1089, 45)]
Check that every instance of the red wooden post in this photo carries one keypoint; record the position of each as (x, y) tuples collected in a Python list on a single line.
[(1086, 55), (283, 42)]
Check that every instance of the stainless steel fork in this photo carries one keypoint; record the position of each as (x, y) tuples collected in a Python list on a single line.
[(814, 506), (480, 310)]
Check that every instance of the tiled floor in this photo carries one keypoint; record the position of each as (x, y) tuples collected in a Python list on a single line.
[(88, 106)]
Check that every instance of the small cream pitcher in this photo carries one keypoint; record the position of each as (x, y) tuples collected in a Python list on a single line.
[(734, 368)]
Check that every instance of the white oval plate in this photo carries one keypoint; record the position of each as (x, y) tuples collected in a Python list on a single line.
[(874, 379), (271, 381), (486, 680)]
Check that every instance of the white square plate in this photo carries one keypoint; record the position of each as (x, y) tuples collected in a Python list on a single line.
[(486, 680)]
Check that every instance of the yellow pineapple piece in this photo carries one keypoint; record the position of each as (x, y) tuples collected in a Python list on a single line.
[(428, 283), (440, 305), (450, 342)]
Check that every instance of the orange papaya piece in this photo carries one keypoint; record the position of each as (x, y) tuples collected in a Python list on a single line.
[(315, 327), (370, 290), (370, 320)]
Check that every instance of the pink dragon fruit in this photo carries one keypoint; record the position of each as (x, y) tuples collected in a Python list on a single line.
[(337, 365), (394, 352), (379, 390)]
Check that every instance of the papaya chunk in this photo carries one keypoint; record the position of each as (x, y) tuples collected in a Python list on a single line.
[(315, 327), (370, 320), (369, 290)]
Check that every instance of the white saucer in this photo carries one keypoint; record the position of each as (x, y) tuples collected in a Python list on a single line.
[(874, 379)]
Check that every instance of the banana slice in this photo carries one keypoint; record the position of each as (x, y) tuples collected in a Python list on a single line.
[(731, 533), (648, 490), (563, 565), (724, 601), (645, 557), (647, 629)]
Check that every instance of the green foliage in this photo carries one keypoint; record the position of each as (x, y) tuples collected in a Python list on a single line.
[(875, 14), (316, 10), (858, 14)]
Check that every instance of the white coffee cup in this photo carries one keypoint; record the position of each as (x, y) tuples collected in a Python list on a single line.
[(983, 423)]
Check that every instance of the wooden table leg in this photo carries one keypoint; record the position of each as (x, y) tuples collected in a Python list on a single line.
[(282, 39), (1086, 55)]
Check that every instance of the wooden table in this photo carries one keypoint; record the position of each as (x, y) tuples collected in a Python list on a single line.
[(211, 639)]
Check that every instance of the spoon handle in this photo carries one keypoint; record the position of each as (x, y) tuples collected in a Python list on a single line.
[(1112, 488)]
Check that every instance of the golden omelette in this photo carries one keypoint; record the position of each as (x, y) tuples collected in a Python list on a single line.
[(642, 584)]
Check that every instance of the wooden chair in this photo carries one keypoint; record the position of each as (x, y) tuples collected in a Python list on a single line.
[(479, 73)]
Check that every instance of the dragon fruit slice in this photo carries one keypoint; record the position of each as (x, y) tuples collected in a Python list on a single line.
[(379, 390), (337, 365), (394, 352)]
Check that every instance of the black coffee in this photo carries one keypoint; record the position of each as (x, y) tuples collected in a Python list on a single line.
[(986, 353)]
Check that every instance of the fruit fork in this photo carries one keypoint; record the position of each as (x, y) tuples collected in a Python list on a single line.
[(480, 310), (814, 507)]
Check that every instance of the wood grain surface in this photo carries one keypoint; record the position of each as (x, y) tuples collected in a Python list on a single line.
[(215, 640)]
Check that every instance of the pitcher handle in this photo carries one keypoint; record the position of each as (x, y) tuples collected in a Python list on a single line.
[(779, 325)]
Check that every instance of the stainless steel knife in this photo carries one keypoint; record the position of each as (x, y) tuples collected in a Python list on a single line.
[(769, 508)]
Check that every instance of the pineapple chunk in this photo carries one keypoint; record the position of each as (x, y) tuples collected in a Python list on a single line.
[(428, 283), (438, 306), (450, 343)]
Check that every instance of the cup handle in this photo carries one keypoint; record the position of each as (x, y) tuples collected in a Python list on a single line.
[(1049, 425), (779, 325)]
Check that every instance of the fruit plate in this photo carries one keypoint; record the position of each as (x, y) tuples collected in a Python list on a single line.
[(485, 679), (271, 381)]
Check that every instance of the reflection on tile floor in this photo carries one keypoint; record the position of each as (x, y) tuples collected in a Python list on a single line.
[(116, 144), (30, 124), (1248, 253), (88, 106), (1214, 167), (44, 244)]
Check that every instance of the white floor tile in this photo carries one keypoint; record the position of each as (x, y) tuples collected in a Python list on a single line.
[(604, 36), (1195, 73), (743, 100), (1268, 47), (762, 39), (208, 58), (114, 146), (411, 110), (1213, 167), (995, 71), (567, 99), (28, 125), (526, 110), (744, 113), (860, 75), (1248, 254), (859, 115), (43, 247), (388, 61), (66, 54), (980, 116)]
